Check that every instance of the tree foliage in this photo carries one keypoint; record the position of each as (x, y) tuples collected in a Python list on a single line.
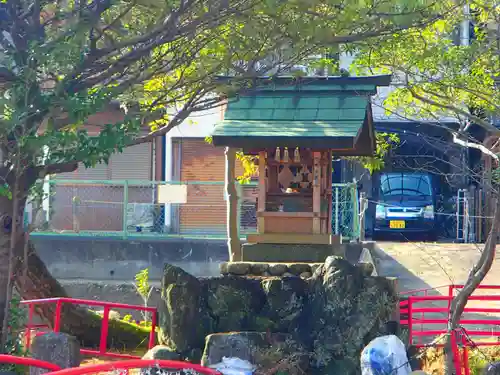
[(385, 142), (442, 74), (438, 73), (62, 61), (66, 60)]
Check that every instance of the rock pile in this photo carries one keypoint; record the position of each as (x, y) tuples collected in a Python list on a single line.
[(304, 270), (327, 318)]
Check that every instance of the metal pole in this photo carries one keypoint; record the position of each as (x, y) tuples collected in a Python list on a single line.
[(362, 210), (336, 210), (355, 220), (466, 217), (458, 215), (125, 208)]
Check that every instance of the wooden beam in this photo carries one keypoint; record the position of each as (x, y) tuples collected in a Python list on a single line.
[(261, 206), (316, 192), (329, 189)]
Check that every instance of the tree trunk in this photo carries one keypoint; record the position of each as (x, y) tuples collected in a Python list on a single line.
[(39, 283), (6, 209), (233, 236), (78, 321), (476, 276)]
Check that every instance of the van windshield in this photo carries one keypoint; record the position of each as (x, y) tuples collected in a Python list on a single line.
[(407, 184)]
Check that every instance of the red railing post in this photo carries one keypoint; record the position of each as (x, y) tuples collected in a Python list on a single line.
[(152, 334), (103, 343), (456, 353), (107, 306), (31, 309), (465, 353), (57, 318), (410, 320)]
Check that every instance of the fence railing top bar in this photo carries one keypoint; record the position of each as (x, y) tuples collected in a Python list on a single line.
[(422, 290), (343, 184), (137, 363), (416, 299), (460, 286), (143, 182)]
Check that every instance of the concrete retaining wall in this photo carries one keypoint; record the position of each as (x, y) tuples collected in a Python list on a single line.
[(109, 259)]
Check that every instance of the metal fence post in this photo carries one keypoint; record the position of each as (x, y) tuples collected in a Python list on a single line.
[(125, 208), (337, 210), (362, 209), (355, 220)]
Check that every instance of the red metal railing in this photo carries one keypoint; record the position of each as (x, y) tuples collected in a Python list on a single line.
[(107, 306), (26, 361), (424, 292), (137, 363), (461, 339)]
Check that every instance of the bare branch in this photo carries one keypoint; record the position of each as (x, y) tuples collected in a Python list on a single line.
[(484, 124), (476, 146)]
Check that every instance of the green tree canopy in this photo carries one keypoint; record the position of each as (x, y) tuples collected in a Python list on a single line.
[(450, 68), (65, 60), (445, 68)]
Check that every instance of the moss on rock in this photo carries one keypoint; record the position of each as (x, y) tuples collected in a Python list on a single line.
[(234, 302)]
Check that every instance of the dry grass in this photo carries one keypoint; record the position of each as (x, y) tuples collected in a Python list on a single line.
[(433, 359)]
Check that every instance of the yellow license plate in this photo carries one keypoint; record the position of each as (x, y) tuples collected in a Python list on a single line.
[(397, 224)]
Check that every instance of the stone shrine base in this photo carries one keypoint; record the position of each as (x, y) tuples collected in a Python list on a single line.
[(321, 322), (300, 253)]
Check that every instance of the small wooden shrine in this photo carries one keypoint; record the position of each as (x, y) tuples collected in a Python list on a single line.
[(296, 126)]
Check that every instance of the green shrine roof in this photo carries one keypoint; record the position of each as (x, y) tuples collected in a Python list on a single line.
[(311, 112)]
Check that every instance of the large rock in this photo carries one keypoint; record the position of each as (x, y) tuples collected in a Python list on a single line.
[(492, 368), (286, 301), (55, 347), (262, 349), (333, 314), (234, 303), (277, 269), (161, 352), (298, 268), (238, 268), (347, 310), (183, 317)]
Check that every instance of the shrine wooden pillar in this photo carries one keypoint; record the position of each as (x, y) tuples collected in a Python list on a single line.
[(329, 192), (316, 193), (261, 205)]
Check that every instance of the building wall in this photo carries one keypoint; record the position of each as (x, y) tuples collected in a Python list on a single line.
[(101, 205)]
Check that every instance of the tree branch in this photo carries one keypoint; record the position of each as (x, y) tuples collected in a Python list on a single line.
[(476, 146), (484, 124), (45, 170)]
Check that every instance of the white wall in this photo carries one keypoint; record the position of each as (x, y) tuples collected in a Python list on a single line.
[(198, 125)]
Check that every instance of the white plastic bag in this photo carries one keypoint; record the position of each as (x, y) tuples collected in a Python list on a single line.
[(234, 366), (385, 355)]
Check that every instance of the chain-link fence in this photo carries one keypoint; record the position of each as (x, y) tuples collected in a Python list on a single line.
[(345, 210), (131, 208)]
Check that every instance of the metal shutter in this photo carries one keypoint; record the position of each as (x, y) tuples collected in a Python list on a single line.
[(205, 210), (99, 172), (134, 163)]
